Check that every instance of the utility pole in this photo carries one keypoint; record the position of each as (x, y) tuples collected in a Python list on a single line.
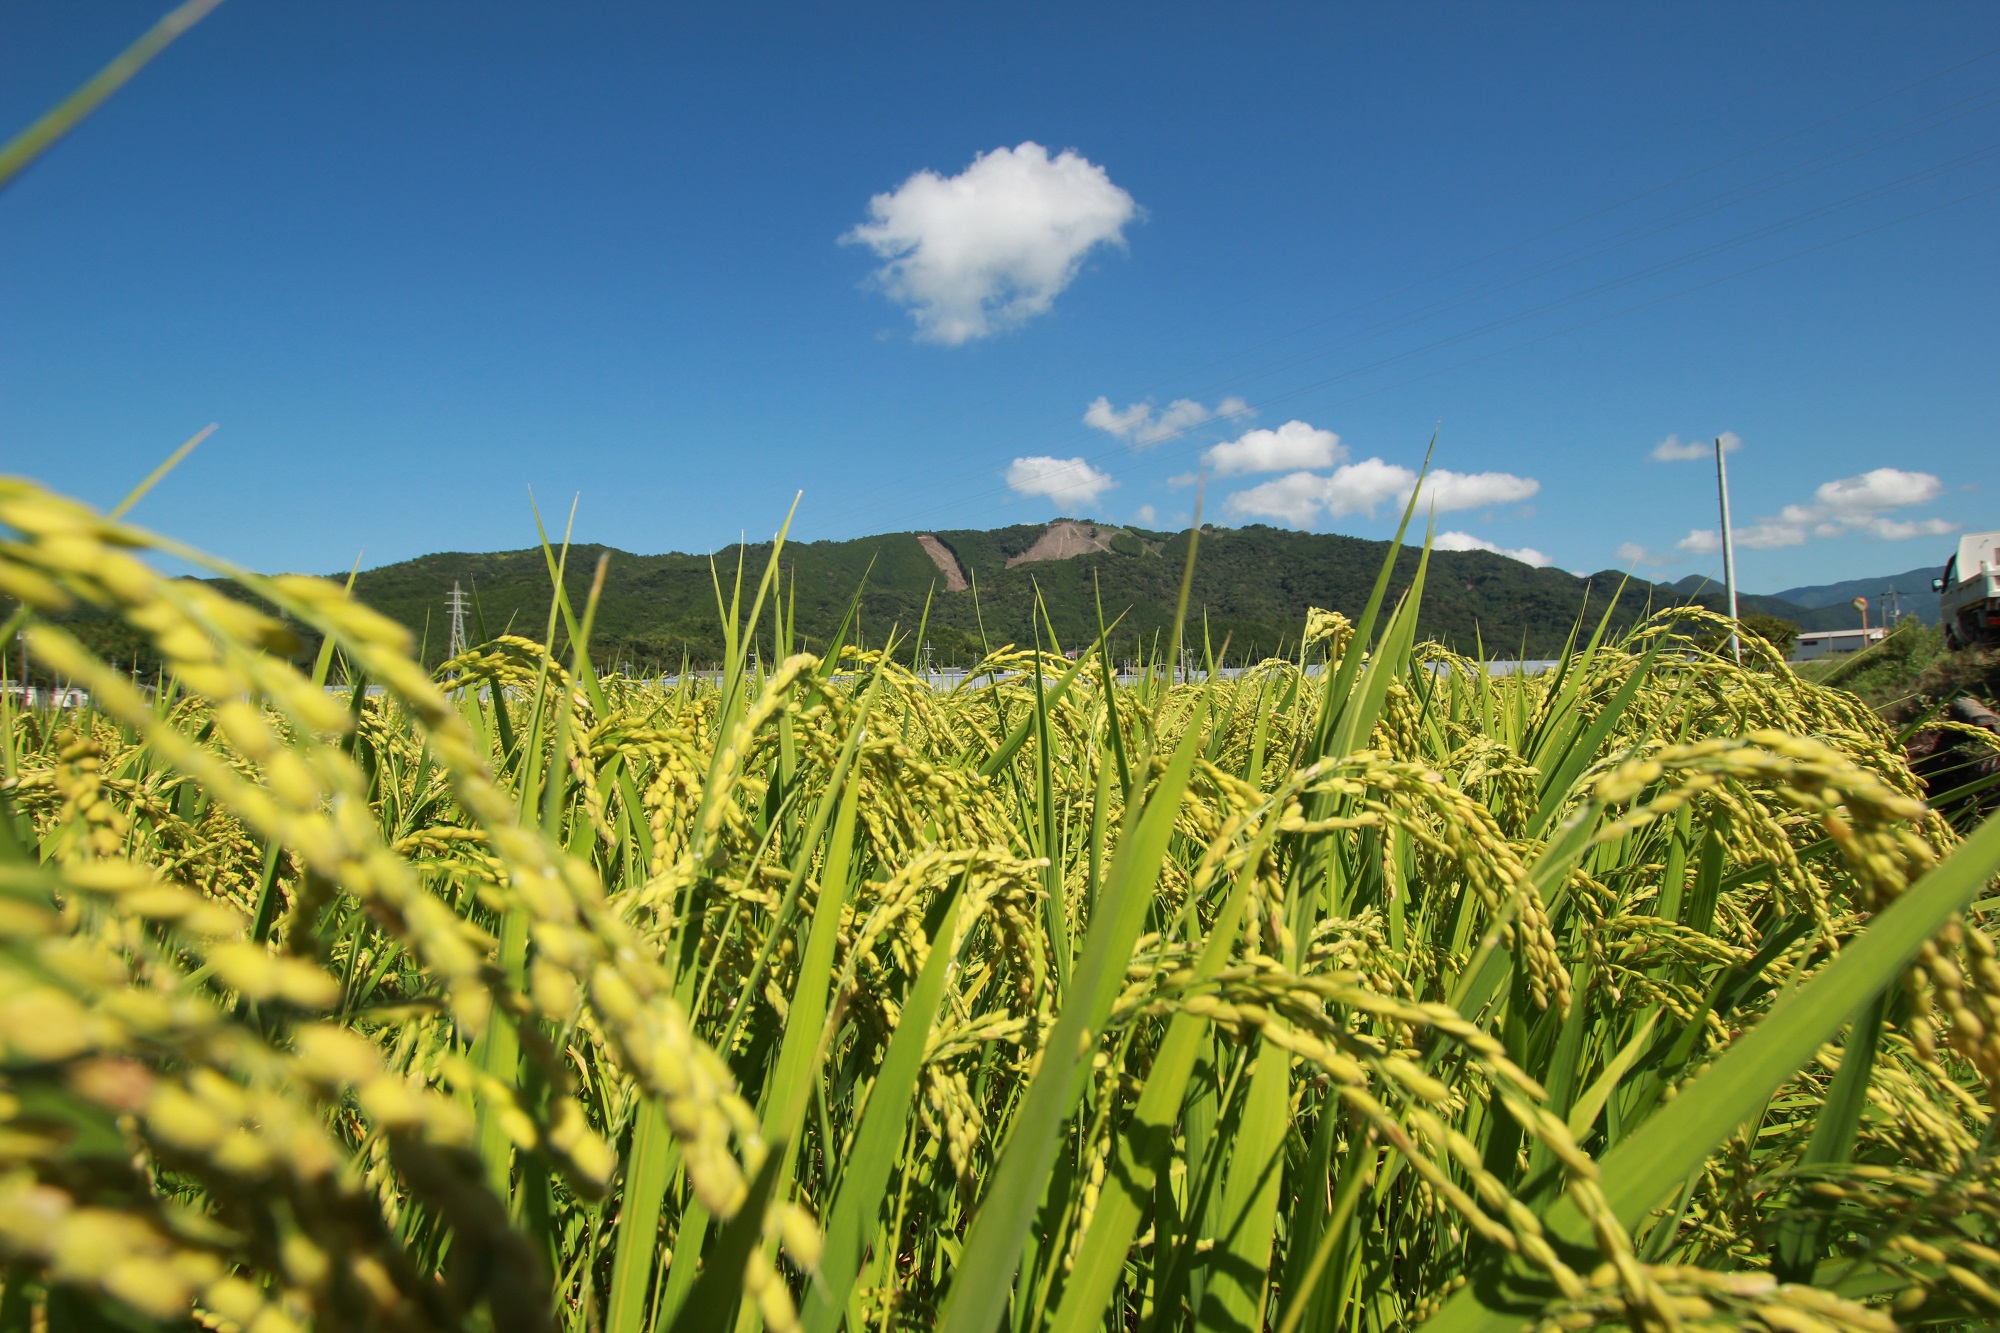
[(458, 602), (1728, 550)]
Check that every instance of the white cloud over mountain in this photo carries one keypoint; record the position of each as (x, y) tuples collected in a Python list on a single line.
[(1292, 445), (1141, 426), (1465, 541), (1848, 505), (991, 248), (1475, 490), (1071, 482), (1362, 488)]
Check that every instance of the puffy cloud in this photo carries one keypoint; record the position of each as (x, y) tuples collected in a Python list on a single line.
[(1672, 450), (1138, 424), (1291, 446), (1632, 553), (1363, 487), (1766, 536), (1145, 515), (1870, 493), (1070, 482), (1475, 490), (1357, 488), (1851, 504), (992, 247), (1295, 500), (1465, 541), (1896, 530)]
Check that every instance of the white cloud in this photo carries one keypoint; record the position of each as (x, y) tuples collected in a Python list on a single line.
[(1292, 445), (1475, 490), (1363, 487), (992, 247), (1357, 488), (1138, 424), (1672, 450), (1872, 492), (1071, 482), (1851, 504), (1465, 541), (1766, 536), (1295, 500), (1145, 516), (1896, 530), (1631, 553)]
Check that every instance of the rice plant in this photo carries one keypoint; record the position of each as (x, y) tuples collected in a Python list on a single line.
[(1365, 990)]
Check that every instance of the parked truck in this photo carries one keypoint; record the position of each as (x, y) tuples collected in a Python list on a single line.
[(1969, 591)]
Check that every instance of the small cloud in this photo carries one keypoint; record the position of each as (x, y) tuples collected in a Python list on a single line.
[(1631, 553), (1465, 541), (1851, 504), (1138, 424), (991, 248), (1475, 490), (1363, 487), (1673, 450), (1750, 536), (1896, 530), (1295, 500), (1071, 482), (1145, 516), (1291, 446), (1857, 498)]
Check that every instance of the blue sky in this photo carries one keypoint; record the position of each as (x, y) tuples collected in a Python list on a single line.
[(686, 261)]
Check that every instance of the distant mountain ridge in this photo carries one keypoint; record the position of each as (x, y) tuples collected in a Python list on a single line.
[(1914, 585), (1830, 605), (1251, 588)]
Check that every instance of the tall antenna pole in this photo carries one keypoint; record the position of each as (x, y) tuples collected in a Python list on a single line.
[(458, 602), (1728, 549)]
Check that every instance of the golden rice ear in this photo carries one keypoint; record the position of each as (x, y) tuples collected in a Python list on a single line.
[(354, 974)]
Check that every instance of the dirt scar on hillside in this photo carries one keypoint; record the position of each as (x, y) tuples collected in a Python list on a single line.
[(947, 563), (1066, 539)]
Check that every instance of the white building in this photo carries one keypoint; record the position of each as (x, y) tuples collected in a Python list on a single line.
[(1817, 643), (43, 696)]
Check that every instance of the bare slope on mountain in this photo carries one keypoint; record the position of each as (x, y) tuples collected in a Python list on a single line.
[(947, 563), (1066, 539)]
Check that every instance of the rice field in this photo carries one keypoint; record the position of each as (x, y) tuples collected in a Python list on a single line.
[(1362, 991)]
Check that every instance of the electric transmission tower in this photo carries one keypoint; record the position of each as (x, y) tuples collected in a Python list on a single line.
[(458, 602)]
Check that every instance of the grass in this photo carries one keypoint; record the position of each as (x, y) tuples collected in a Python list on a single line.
[(1363, 991)]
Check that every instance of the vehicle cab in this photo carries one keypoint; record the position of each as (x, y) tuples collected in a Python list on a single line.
[(1969, 591)]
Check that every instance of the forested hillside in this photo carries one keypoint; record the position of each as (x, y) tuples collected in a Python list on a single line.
[(1251, 588)]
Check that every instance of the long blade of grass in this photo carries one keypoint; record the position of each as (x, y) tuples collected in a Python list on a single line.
[(992, 1250), (872, 1155), (38, 138), (1646, 1166)]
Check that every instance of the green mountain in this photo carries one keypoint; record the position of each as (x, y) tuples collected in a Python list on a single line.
[(1830, 605), (1251, 587), (1919, 602), (1707, 591)]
